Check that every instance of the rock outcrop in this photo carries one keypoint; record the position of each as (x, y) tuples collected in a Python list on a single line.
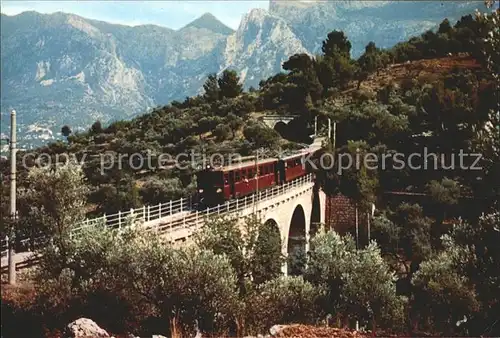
[(84, 328)]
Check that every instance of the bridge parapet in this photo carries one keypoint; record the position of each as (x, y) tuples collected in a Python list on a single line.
[(187, 225), (177, 219)]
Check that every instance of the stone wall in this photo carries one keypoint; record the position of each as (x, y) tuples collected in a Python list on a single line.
[(341, 215)]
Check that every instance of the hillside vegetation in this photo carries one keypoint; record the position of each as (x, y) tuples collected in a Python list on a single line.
[(413, 88)]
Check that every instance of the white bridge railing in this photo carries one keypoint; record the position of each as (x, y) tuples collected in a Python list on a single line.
[(144, 214), (187, 224), (176, 215)]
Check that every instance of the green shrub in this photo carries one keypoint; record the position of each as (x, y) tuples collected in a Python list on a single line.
[(124, 280), (285, 300)]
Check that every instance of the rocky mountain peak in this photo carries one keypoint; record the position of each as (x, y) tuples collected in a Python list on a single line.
[(83, 25), (274, 4), (261, 44), (211, 23), (256, 15)]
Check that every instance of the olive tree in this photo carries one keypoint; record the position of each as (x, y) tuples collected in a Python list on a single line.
[(441, 296), (328, 260), (127, 275), (253, 248), (369, 290), (54, 201), (285, 300), (359, 284)]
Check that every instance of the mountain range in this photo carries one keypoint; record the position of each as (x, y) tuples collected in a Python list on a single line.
[(60, 68)]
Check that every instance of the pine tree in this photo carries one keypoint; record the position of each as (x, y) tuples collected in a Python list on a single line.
[(336, 42), (65, 130), (369, 62), (96, 128), (211, 87), (229, 84), (445, 27)]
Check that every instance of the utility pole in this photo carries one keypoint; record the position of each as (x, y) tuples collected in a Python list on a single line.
[(357, 246), (334, 135), (256, 181), (329, 130), (370, 216), (12, 237), (368, 220), (316, 126), (357, 228)]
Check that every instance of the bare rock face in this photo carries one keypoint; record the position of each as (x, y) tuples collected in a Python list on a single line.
[(260, 46), (84, 328), (383, 22), (276, 329)]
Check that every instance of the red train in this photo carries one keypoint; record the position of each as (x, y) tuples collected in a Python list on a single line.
[(215, 186)]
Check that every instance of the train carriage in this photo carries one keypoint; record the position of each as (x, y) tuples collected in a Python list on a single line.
[(217, 185), (291, 167)]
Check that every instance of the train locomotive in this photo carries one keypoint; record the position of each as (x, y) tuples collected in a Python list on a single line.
[(218, 185)]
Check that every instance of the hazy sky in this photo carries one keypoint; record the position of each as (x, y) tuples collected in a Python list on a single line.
[(172, 14)]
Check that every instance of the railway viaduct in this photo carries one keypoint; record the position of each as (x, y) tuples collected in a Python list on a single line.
[(294, 209)]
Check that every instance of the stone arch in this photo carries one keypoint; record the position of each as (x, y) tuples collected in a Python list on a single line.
[(268, 252), (297, 242), (272, 222), (276, 225), (273, 226), (315, 212)]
